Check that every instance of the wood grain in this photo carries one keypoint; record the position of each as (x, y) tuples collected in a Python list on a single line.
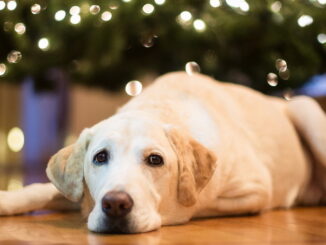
[(296, 226)]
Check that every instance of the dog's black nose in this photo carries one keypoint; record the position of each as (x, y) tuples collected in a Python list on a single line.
[(117, 204)]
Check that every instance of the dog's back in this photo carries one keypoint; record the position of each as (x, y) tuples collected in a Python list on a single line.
[(245, 120)]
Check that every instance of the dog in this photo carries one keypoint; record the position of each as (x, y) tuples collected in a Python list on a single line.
[(187, 147)]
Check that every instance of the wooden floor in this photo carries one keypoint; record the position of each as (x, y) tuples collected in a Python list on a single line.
[(296, 226)]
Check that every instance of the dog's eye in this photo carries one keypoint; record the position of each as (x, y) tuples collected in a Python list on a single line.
[(155, 160), (101, 158)]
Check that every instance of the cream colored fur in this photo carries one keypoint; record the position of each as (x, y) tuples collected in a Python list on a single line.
[(227, 149)]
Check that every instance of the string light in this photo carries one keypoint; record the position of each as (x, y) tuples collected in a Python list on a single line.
[(94, 9), (3, 69), (134, 88), (159, 2), (15, 139), (14, 56), (74, 10), (106, 16), (281, 65), (36, 8), (185, 16), (242, 4), (2, 5), (215, 3), (44, 43), (148, 8), (75, 19), (305, 20), (199, 25), (11, 5), (20, 28), (60, 15), (321, 38)]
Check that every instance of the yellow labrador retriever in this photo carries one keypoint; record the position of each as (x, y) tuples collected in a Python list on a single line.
[(187, 147)]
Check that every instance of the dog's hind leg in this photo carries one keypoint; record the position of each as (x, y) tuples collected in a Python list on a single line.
[(33, 197), (310, 122)]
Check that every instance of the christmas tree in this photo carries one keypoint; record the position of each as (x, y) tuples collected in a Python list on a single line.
[(107, 43)]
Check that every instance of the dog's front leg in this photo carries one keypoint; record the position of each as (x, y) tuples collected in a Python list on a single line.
[(33, 197), (248, 198)]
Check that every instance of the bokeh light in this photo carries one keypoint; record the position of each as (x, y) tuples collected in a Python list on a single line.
[(14, 56), (134, 88), (15, 139), (215, 3), (159, 2), (106, 16), (305, 20), (75, 19), (94, 9), (272, 79), (36, 8), (321, 38), (192, 67), (2, 5), (11, 5), (148, 8), (3, 69), (44, 43), (60, 15), (199, 25), (20, 28), (74, 10)]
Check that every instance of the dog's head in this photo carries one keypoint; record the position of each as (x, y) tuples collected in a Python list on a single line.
[(138, 173)]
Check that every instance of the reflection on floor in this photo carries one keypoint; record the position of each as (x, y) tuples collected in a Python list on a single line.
[(295, 226)]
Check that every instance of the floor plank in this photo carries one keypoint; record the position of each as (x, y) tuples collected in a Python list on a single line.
[(296, 226)]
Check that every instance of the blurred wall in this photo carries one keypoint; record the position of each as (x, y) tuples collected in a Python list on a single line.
[(88, 106)]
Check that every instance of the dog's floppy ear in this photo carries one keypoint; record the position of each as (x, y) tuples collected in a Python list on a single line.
[(196, 165), (65, 168)]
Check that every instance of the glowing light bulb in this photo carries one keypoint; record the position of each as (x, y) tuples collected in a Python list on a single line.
[(148, 8), (15, 139), (215, 3), (94, 9), (199, 25), (192, 67), (11, 5), (321, 38), (75, 19), (134, 88), (74, 10), (60, 15), (44, 43), (159, 2), (14, 56), (2, 5), (36, 8), (20, 28), (3, 69), (305, 20)]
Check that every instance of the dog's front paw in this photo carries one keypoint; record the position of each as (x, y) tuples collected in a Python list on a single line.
[(7, 203)]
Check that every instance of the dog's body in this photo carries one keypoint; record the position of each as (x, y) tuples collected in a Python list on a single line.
[(227, 150)]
